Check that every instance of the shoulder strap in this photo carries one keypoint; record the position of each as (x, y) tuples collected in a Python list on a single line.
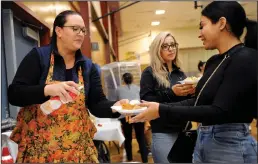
[(86, 74), (44, 56)]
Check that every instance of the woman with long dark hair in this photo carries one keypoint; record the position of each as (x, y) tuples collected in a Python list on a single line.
[(201, 67), (226, 95)]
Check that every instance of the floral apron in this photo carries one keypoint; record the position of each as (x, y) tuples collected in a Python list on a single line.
[(65, 135)]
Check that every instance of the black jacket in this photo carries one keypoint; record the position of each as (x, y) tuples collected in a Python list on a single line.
[(152, 91), (229, 97)]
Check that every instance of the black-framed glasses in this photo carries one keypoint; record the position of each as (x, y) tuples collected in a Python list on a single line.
[(78, 29), (167, 46)]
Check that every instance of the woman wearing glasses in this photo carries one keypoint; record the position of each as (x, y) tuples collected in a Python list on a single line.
[(159, 83), (66, 134)]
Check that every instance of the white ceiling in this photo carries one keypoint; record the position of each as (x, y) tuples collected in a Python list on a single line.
[(138, 17)]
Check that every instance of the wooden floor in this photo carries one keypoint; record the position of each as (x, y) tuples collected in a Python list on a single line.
[(119, 157)]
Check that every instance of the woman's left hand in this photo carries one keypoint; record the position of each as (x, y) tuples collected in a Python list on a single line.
[(192, 91), (151, 113)]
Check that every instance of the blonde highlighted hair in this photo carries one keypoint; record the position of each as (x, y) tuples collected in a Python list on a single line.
[(157, 63)]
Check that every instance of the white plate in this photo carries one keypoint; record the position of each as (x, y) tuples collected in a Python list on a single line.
[(189, 81), (124, 111)]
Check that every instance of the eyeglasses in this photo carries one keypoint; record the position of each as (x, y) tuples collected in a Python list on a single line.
[(78, 29), (167, 46)]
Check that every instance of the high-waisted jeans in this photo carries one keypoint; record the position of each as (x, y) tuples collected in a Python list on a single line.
[(226, 143)]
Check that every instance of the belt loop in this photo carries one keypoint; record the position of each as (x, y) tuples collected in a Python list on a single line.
[(212, 128), (246, 126), (199, 126)]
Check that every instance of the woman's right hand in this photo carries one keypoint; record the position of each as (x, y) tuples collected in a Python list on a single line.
[(61, 89), (183, 89)]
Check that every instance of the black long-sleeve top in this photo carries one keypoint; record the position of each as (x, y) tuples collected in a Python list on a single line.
[(229, 97), (25, 89), (152, 91)]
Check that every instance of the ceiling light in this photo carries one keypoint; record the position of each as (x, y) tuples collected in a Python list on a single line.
[(159, 12), (155, 23)]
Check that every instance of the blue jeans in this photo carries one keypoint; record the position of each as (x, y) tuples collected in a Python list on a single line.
[(161, 145), (226, 143)]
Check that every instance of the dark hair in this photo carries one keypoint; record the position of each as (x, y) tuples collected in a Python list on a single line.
[(60, 20), (128, 78), (251, 35), (231, 10), (200, 64)]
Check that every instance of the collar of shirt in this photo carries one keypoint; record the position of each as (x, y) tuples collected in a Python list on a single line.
[(174, 67), (79, 57)]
